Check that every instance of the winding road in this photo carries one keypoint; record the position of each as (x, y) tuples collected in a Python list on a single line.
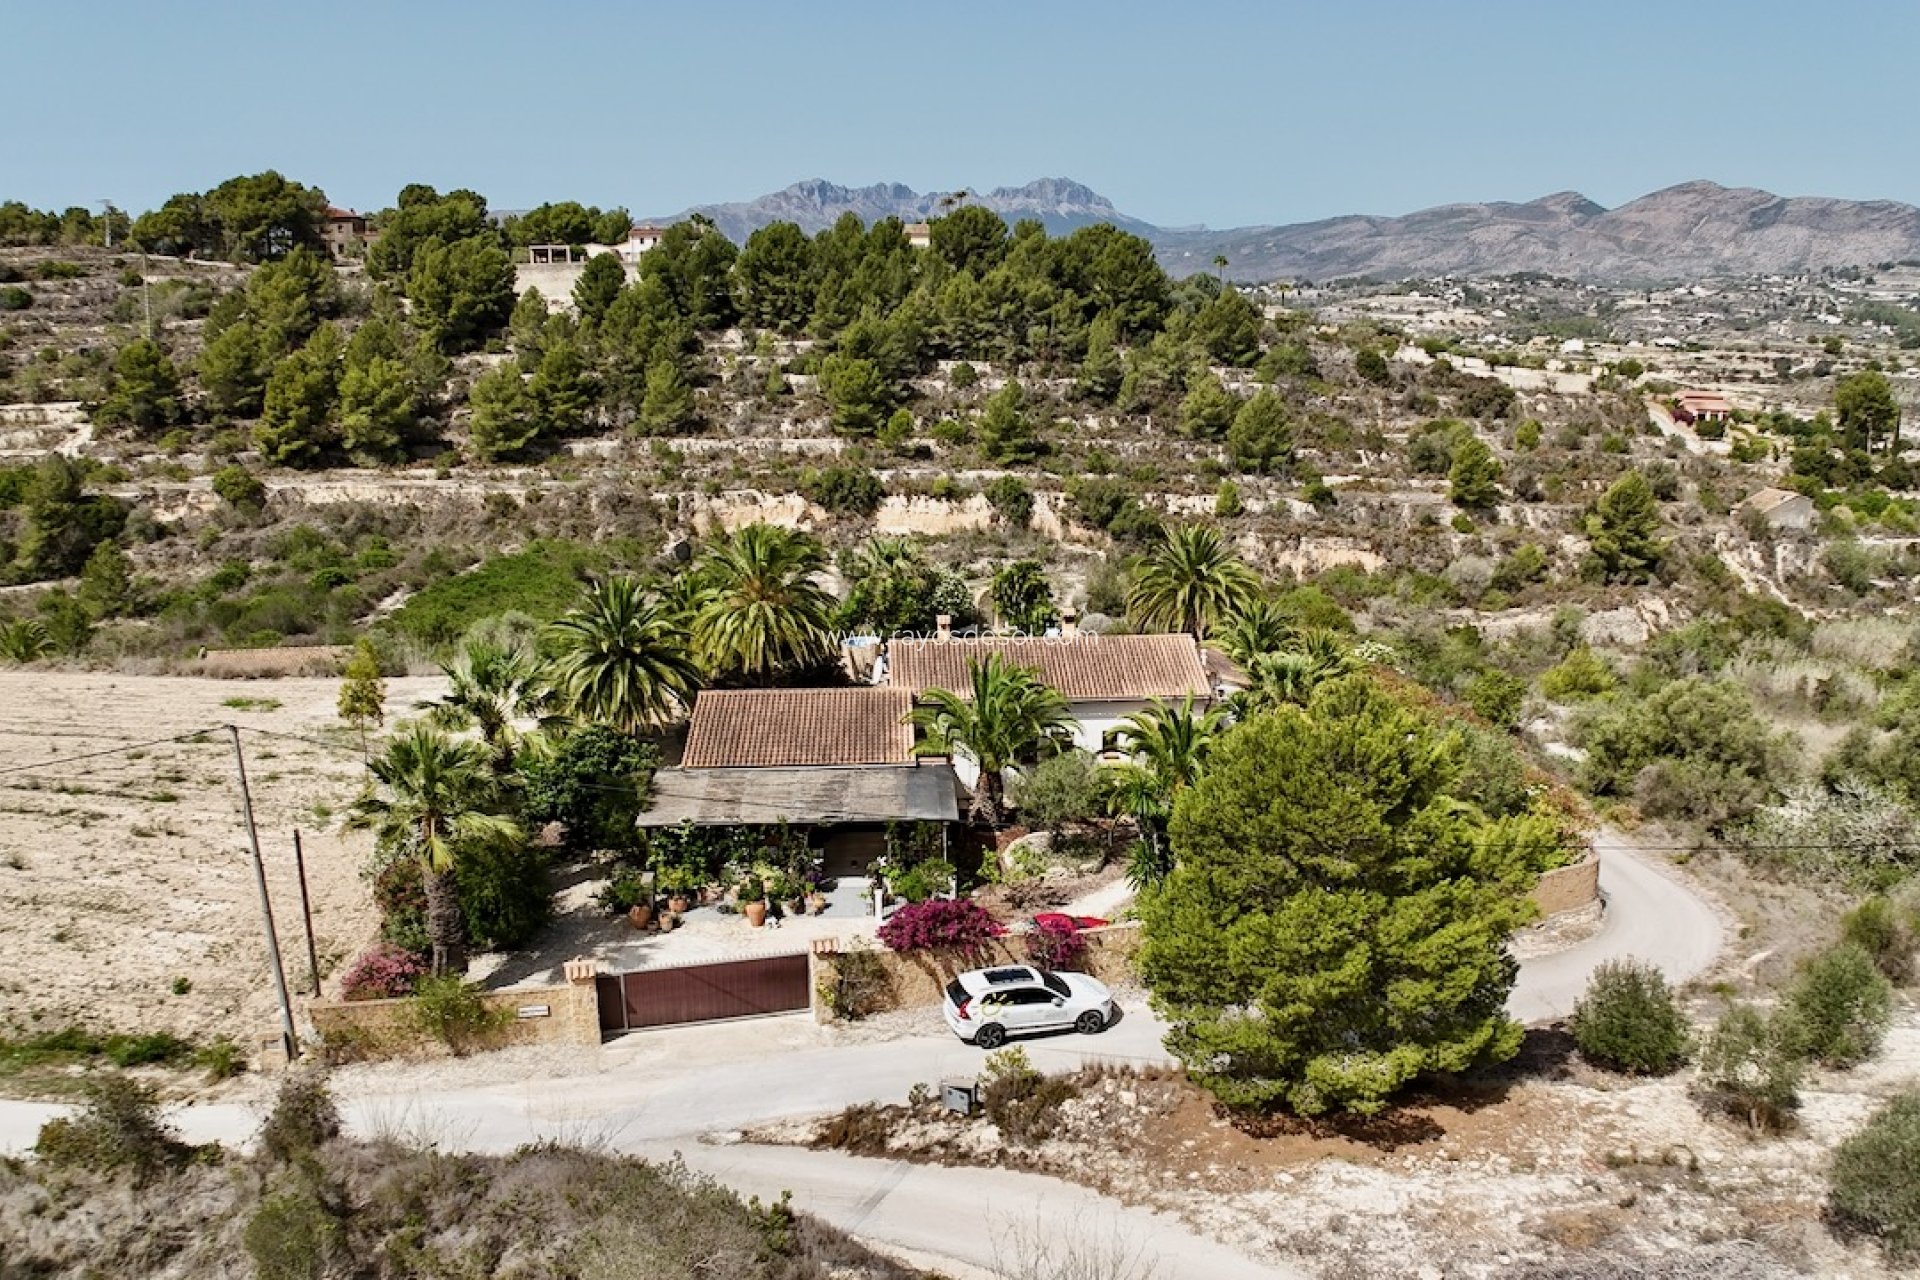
[(690, 1090)]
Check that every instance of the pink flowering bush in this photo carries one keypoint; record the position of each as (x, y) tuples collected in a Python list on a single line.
[(1056, 944), (382, 970), (941, 924)]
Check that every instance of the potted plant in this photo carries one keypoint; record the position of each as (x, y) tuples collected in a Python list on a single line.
[(629, 894), (678, 882), (753, 900)]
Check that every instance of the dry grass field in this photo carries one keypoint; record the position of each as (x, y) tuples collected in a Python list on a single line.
[(125, 887)]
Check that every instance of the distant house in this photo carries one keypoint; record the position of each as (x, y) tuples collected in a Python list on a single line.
[(344, 232), (836, 762), (1105, 679), (639, 240), (1690, 407), (1781, 508), (919, 234)]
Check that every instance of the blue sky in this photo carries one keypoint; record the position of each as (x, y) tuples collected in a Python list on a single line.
[(1181, 113)]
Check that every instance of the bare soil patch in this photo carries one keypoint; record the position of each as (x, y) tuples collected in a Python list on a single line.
[(129, 895)]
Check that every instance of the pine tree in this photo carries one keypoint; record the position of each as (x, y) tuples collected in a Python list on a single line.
[(297, 419), (1209, 408), (1336, 920), (505, 420), (146, 387), (377, 410), (1007, 432), (1473, 482), (233, 370), (1623, 530), (1261, 437), (669, 404), (1102, 370), (563, 396)]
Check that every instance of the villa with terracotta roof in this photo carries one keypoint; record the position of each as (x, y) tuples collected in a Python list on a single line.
[(839, 762), (1105, 679)]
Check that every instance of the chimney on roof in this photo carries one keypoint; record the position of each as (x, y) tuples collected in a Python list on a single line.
[(1069, 623), (943, 627)]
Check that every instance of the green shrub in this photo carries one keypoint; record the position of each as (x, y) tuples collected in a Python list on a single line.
[(1023, 1103), (1877, 929), (1061, 789), (844, 490), (1839, 1006), (118, 1127), (304, 1117), (1011, 500), (293, 1236), (1875, 1182), (542, 582), (14, 298), (1628, 1021), (222, 1060), (239, 487), (1582, 674), (1750, 1068), (455, 1013)]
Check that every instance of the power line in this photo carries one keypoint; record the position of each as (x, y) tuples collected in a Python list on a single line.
[(109, 751)]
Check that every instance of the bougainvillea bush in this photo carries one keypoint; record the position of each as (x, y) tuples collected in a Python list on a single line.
[(1056, 944), (941, 924), (382, 971)]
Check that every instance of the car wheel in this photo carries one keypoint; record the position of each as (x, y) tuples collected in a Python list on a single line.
[(991, 1036), (1090, 1023)]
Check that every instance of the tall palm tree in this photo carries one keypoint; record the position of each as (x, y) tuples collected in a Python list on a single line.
[(437, 798), (1169, 743), (1008, 716), (623, 658), (491, 687), (763, 613), (1189, 582)]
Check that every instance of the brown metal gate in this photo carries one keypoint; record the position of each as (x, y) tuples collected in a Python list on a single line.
[(703, 992)]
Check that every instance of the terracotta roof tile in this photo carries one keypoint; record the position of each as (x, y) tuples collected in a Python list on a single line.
[(1084, 668), (763, 728)]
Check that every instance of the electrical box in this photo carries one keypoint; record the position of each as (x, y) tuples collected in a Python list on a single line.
[(960, 1096)]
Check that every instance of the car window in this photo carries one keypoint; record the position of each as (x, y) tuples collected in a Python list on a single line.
[(1029, 995), (1056, 984)]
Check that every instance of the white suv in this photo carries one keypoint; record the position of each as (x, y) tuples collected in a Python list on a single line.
[(985, 1006)]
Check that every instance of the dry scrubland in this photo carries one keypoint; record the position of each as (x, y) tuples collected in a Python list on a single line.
[(123, 874)]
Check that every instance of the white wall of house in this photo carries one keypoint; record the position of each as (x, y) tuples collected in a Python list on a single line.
[(1097, 720)]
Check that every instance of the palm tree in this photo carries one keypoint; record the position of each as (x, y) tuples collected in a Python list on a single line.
[(623, 658), (1009, 716), (1258, 626), (1169, 744), (1189, 582), (762, 612), (1290, 676), (437, 798), (491, 687)]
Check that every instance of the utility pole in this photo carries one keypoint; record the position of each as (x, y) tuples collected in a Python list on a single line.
[(266, 904), (306, 911)]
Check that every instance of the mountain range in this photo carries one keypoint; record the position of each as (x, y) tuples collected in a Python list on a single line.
[(1690, 231)]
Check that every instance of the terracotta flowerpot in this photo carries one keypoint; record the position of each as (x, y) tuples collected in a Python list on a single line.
[(639, 915), (755, 912), (669, 922), (677, 903)]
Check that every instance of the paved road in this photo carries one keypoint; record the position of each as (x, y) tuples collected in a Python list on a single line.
[(663, 1090), (1651, 914)]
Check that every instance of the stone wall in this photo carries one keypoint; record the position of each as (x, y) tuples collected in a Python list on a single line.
[(916, 980), (370, 1030), (1570, 888)]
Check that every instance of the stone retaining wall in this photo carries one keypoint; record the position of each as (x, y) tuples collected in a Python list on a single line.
[(1571, 888), (371, 1030)]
